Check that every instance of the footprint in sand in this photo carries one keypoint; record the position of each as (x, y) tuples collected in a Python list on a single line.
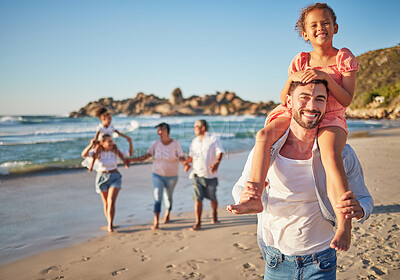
[(244, 233), (136, 250), (194, 275), (248, 267), (100, 250), (395, 228), (50, 269), (187, 270), (181, 249), (248, 271), (83, 259), (241, 247), (194, 264), (144, 258), (223, 259), (378, 270), (118, 271)]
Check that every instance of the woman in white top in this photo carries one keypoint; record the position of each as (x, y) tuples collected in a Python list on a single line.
[(108, 179), (166, 154)]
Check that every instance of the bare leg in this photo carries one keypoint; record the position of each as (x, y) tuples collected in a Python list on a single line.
[(265, 138), (198, 209), (214, 206), (111, 201), (104, 196), (331, 141), (166, 217), (156, 221)]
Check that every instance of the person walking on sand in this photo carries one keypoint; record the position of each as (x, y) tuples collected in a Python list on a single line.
[(108, 179), (206, 153), (295, 227), (166, 153)]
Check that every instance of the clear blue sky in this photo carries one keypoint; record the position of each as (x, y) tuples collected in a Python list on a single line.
[(58, 55)]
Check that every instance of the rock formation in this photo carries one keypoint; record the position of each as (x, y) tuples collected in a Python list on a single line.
[(221, 103)]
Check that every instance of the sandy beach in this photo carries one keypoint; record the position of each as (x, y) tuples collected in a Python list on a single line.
[(227, 250)]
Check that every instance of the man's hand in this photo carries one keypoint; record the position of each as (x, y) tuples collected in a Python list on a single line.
[(350, 206), (186, 167), (214, 167)]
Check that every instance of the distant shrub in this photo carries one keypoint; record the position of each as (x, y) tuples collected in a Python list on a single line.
[(389, 92)]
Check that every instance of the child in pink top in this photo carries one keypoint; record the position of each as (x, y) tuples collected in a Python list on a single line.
[(317, 25)]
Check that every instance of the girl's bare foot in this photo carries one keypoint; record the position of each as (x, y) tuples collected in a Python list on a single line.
[(196, 227), (247, 207), (155, 227), (110, 229), (342, 239), (166, 219)]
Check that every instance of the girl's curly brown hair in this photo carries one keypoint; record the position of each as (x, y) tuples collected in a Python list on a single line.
[(300, 24)]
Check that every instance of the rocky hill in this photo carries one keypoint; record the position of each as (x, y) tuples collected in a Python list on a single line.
[(377, 93), (224, 104), (377, 96)]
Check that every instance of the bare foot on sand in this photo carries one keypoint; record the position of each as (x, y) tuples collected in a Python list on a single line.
[(155, 227), (342, 239), (110, 229), (196, 227), (166, 220), (247, 207)]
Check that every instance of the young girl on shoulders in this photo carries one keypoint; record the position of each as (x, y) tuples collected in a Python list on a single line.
[(317, 25), (105, 127)]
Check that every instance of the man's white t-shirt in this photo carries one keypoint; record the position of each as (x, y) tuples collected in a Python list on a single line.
[(204, 153), (165, 158), (293, 221)]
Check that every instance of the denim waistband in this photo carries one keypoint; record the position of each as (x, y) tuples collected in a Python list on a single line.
[(315, 257)]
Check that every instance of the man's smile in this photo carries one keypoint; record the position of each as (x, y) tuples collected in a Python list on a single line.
[(310, 114)]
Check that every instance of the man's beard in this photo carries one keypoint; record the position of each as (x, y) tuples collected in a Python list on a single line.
[(307, 124)]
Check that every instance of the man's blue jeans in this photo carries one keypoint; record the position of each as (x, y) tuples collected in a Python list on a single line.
[(321, 265), (163, 186)]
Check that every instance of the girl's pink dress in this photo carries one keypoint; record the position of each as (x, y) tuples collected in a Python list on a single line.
[(334, 116)]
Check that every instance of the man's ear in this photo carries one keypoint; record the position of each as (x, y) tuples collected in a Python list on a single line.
[(289, 101)]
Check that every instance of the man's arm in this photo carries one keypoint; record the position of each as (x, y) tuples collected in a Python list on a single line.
[(357, 186), (214, 166)]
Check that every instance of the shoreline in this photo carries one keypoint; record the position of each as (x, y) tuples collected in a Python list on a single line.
[(46, 169), (231, 246)]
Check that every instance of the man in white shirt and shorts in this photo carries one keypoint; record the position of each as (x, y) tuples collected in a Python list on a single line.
[(206, 153)]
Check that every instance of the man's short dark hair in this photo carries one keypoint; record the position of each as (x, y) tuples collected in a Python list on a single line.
[(204, 123), (103, 138), (163, 125), (295, 84)]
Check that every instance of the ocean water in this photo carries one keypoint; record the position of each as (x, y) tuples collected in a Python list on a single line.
[(31, 143)]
